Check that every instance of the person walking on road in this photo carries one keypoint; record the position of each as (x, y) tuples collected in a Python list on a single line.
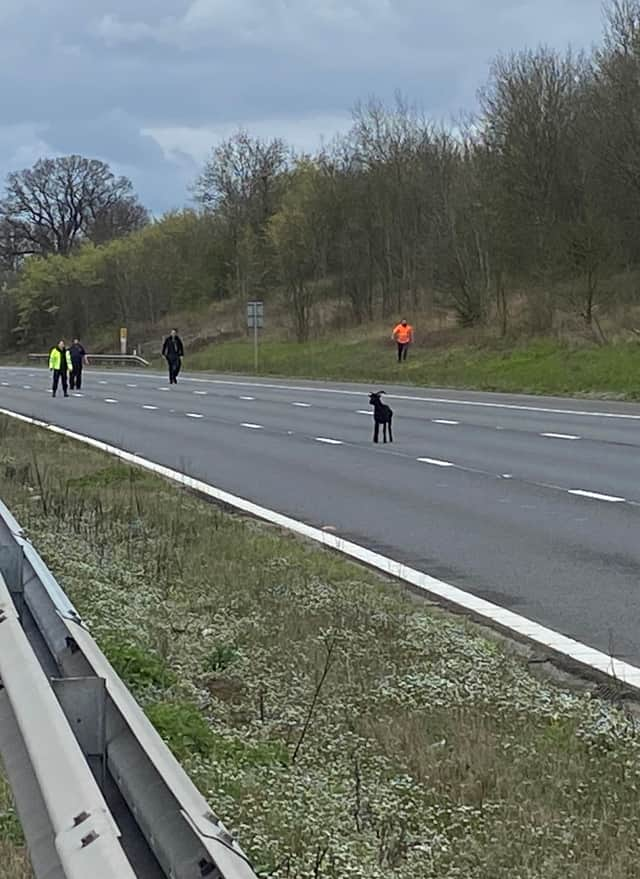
[(403, 336), (78, 360), (60, 366), (173, 351)]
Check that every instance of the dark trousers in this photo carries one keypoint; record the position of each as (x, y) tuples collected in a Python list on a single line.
[(75, 377), (174, 370), (403, 350), (60, 375)]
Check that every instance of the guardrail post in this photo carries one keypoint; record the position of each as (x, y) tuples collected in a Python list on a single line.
[(11, 558), (84, 702)]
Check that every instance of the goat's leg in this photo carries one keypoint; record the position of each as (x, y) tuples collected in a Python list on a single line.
[(376, 431), (390, 432), (384, 432)]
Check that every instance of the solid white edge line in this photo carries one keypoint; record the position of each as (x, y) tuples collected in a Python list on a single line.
[(412, 397), (587, 657), (435, 462), (596, 496)]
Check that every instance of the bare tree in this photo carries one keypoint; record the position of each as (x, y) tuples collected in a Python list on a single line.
[(117, 220), (56, 204), (242, 184), (240, 179)]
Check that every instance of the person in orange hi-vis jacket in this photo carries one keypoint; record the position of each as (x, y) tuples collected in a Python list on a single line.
[(403, 336)]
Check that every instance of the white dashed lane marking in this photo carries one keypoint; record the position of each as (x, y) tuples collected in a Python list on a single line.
[(76, 394), (435, 462), (583, 493), (594, 495)]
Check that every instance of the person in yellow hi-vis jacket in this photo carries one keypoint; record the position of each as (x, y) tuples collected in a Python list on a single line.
[(60, 366)]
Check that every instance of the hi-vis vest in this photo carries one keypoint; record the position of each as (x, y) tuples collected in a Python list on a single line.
[(55, 359), (403, 334)]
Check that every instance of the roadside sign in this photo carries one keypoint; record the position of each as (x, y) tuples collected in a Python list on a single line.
[(255, 315)]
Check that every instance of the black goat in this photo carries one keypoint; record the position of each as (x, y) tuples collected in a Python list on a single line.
[(382, 415)]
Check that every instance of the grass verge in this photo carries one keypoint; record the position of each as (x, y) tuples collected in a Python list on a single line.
[(14, 862), (541, 367), (341, 728)]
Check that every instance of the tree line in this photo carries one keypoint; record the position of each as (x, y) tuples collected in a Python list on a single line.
[(534, 200)]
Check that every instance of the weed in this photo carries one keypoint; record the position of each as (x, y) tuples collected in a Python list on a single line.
[(183, 728), (139, 668), (221, 657)]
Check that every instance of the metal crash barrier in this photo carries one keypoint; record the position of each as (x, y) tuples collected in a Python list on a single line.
[(98, 792), (133, 359)]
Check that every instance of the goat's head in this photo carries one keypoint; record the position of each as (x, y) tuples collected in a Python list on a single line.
[(374, 398)]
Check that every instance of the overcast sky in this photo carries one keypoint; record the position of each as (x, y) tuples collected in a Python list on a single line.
[(150, 85)]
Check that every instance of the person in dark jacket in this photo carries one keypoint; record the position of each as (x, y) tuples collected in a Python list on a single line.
[(78, 360), (173, 351), (60, 366)]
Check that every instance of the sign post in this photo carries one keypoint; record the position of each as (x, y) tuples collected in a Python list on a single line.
[(123, 340), (255, 322)]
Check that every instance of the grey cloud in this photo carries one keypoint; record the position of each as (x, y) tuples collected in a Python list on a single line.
[(94, 77)]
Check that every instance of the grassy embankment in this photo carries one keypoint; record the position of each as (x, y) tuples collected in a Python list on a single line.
[(342, 728), (540, 367)]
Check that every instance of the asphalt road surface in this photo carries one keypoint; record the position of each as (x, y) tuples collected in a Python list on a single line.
[(532, 503)]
